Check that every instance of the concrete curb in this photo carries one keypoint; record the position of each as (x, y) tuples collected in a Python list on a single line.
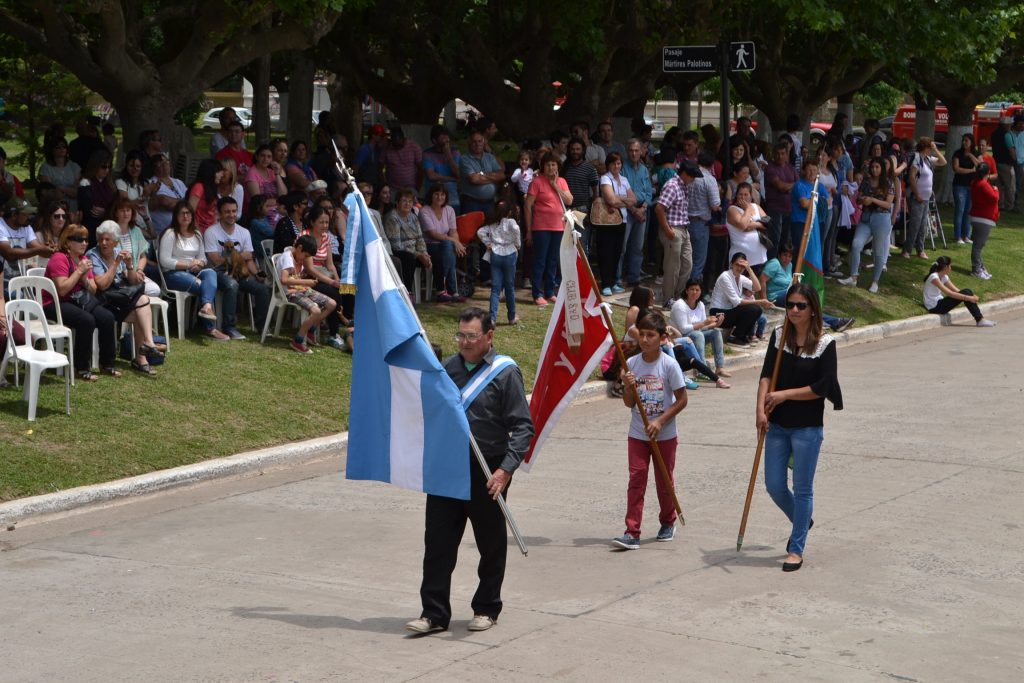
[(287, 455)]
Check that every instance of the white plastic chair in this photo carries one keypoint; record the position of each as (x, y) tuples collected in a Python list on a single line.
[(32, 287), (36, 272), (278, 301), (182, 303), (30, 314), (423, 281), (268, 251)]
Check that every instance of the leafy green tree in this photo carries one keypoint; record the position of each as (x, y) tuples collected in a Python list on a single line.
[(36, 92), (150, 59)]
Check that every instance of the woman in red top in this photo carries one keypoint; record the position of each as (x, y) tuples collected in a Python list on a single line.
[(984, 214), (71, 272), (202, 197), (543, 209)]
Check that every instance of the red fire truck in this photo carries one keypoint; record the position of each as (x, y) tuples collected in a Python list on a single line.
[(985, 120)]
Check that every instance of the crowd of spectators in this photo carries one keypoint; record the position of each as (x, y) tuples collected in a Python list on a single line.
[(699, 211)]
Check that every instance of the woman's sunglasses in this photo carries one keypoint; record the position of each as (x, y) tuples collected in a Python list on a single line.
[(78, 239), (798, 305), (61, 216)]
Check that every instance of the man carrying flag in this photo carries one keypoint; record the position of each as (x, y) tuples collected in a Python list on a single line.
[(492, 392)]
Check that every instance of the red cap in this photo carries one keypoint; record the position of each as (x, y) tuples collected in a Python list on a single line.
[(377, 129)]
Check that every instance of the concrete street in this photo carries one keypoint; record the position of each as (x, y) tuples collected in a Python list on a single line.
[(914, 570)]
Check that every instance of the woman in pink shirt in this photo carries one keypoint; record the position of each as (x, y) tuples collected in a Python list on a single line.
[(263, 177), (443, 245), (543, 209), (71, 272)]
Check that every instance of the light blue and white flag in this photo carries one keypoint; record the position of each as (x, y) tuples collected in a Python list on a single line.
[(407, 426)]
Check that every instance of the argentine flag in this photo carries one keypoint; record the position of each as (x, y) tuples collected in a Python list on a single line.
[(407, 426)]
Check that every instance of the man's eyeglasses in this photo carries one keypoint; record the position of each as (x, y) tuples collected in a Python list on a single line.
[(798, 305), (471, 337)]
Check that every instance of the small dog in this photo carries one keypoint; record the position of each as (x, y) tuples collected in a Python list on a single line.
[(234, 262)]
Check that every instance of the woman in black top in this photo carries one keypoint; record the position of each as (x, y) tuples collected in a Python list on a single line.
[(965, 163), (792, 414)]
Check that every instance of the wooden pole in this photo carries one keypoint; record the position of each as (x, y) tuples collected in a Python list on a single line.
[(636, 394), (779, 349)]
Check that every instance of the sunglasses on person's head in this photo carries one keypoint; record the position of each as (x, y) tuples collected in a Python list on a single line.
[(798, 305), (78, 239)]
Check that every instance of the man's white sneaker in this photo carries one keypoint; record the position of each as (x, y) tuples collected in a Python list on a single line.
[(423, 625), (985, 323), (480, 622)]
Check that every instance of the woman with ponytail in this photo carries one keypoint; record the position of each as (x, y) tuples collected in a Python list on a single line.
[(941, 296)]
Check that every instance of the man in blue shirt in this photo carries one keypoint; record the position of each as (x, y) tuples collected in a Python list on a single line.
[(441, 164), (801, 198), (480, 175), (639, 178)]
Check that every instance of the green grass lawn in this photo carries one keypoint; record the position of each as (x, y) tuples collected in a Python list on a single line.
[(216, 399)]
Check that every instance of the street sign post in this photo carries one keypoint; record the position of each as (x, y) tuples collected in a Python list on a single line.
[(742, 56), (690, 59), (695, 59)]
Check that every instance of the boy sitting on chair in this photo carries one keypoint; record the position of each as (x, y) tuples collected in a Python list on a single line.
[(300, 292)]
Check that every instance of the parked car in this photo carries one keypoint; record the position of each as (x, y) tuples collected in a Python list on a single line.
[(211, 122), (657, 128)]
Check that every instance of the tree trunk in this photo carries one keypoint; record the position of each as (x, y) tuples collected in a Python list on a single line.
[(683, 110), (155, 112), (346, 112), (924, 117), (845, 102), (261, 99), (300, 98)]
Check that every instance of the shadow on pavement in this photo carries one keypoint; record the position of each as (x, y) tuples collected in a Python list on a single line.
[(393, 625)]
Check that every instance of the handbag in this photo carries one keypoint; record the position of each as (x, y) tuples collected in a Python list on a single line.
[(121, 301), (603, 215), (84, 299)]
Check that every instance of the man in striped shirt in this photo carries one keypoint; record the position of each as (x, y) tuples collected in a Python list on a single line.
[(702, 197), (672, 214), (581, 177)]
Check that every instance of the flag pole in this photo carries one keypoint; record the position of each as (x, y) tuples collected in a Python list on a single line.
[(347, 176), (779, 349), (622, 361)]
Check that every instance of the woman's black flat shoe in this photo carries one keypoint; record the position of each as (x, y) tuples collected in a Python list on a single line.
[(792, 566)]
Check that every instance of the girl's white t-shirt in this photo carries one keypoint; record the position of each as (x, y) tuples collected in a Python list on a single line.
[(932, 294)]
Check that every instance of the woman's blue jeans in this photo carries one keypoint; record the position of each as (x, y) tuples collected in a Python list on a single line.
[(804, 444), (961, 211), (442, 256), (205, 285), (503, 277), (712, 336), (545, 262), (877, 226)]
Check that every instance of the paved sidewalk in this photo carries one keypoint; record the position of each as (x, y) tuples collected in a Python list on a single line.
[(914, 569)]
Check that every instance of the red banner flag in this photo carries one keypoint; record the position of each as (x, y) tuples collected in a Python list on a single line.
[(563, 367)]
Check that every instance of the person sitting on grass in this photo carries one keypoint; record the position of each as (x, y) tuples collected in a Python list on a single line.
[(689, 316), (941, 296), (727, 298), (776, 279), (300, 292), (658, 381)]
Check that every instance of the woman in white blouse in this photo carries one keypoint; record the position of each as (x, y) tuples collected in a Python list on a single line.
[(183, 261), (744, 221), (617, 194)]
